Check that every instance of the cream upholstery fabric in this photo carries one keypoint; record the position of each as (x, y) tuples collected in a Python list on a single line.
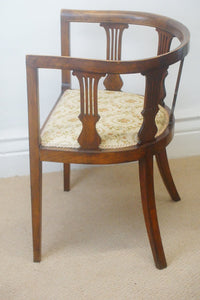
[(118, 126)]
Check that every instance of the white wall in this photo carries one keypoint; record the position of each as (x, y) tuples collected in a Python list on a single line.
[(33, 27)]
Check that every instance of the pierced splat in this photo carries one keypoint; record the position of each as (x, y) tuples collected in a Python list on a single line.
[(164, 43), (163, 89), (114, 33), (114, 39), (154, 82), (89, 138)]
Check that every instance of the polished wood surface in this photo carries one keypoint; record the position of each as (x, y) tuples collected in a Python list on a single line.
[(165, 172), (35, 162), (66, 177), (88, 72), (149, 209), (89, 138), (114, 31)]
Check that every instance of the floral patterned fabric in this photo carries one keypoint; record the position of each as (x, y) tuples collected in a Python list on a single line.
[(120, 120)]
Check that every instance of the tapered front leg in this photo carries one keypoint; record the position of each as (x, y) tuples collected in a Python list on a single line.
[(166, 175), (149, 210), (35, 163), (36, 201), (66, 174)]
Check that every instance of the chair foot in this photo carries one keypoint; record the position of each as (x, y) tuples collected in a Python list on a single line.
[(66, 173), (149, 210), (37, 257), (166, 175), (36, 201)]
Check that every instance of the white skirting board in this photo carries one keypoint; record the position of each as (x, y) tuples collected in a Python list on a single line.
[(14, 156)]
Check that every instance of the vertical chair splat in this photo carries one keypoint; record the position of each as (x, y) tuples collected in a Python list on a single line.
[(114, 33), (164, 43), (89, 137), (154, 80)]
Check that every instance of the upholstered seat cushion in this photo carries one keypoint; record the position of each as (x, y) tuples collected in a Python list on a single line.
[(120, 120)]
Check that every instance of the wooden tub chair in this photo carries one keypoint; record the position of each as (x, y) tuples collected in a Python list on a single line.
[(92, 126)]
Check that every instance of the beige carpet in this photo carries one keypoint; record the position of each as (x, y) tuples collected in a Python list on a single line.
[(94, 240)]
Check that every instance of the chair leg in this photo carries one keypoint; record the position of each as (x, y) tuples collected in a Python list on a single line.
[(66, 171), (149, 210), (166, 175), (36, 201)]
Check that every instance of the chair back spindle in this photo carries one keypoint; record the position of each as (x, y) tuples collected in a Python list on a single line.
[(89, 137), (114, 33), (154, 83), (164, 43), (176, 89)]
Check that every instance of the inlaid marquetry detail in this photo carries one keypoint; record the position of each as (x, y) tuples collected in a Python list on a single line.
[(89, 137), (154, 82), (114, 33)]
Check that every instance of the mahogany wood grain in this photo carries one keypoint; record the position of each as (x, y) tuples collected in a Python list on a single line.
[(127, 17), (88, 72), (35, 162), (106, 156), (89, 138), (164, 43), (66, 171), (113, 82), (66, 74), (114, 31), (149, 209), (164, 169), (65, 51), (154, 81), (176, 88)]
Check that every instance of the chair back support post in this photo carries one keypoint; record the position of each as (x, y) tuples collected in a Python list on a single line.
[(33, 106), (154, 82), (176, 89), (65, 51)]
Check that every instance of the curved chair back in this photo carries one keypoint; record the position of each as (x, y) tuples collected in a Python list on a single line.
[(88, 73), (154, 69)]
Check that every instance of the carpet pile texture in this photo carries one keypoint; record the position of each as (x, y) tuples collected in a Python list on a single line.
[(95, 244)]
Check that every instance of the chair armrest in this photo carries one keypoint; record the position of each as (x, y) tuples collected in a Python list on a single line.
[(88, 81), (71, 63)]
